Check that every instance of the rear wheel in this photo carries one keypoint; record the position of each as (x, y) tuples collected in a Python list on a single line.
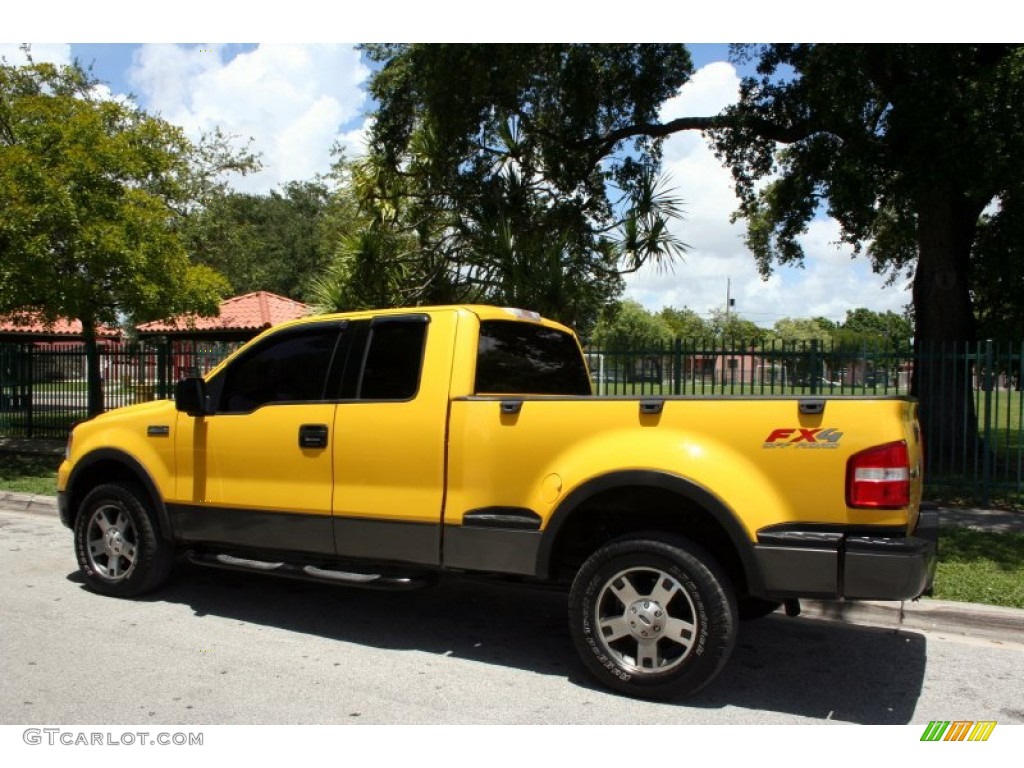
[(117, 542), (653, 616)]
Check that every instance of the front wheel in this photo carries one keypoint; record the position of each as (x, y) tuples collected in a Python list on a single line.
[(117, 543), (653, 616)]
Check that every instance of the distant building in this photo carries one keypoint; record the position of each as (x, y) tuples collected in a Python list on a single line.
[(199, 343)]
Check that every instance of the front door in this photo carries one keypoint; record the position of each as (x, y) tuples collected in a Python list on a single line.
[(258, 472)]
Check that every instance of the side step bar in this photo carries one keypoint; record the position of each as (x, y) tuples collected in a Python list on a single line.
[(392, 582)]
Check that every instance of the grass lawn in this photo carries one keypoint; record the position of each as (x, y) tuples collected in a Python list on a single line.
[(28, 473), (980, 567)]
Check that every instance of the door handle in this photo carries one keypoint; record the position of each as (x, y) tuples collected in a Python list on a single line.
[(313, 436)]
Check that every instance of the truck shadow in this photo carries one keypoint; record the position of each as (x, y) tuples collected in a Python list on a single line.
[(801, 667)]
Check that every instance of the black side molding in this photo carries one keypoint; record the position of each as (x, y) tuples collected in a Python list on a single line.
[(517, 518)]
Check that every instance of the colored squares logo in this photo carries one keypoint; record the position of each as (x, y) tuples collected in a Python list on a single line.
[(958, 730)]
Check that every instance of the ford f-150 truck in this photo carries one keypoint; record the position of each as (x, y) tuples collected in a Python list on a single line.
[(382, 449)]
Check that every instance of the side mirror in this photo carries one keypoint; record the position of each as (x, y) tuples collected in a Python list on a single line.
[(190, 397)]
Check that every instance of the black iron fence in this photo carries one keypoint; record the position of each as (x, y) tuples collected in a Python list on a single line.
[(43, 388), (977, 456)]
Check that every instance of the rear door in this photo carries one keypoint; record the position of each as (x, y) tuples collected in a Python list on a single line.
[(390, 432)]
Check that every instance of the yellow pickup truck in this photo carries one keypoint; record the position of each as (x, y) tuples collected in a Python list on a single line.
[(383, 449)]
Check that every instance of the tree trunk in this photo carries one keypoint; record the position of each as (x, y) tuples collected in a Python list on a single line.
[(94, 383), (944, 327)]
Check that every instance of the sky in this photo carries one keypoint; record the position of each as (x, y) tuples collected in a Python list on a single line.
[(295, 100)]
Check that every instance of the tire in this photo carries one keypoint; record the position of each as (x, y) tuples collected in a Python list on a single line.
[(653, 616), (752, 608), (117, 543)]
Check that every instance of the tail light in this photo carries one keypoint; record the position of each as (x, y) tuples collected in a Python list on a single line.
[(879, 477)]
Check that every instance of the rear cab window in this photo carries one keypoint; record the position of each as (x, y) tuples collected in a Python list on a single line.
[(515, 357)]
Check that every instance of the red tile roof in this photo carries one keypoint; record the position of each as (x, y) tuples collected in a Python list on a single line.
[(251, 312), (32, 324)]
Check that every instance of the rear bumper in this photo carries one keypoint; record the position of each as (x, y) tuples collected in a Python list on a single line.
[(829, 563)]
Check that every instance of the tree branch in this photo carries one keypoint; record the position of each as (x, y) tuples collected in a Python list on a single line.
[(786, 134)]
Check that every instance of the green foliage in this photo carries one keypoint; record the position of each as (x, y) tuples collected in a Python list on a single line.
[(91, 195), (904, 145), (997, 283), (373, 245), (802, 331), (29, 473), (685, 323), (498, 159), (270, 242), (628, 327), (733, 328), (876, 329)]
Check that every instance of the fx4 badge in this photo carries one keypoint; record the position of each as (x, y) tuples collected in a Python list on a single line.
[(798, 437)]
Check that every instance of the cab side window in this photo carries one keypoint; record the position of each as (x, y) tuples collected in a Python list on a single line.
[(290, 366), (394, 359)]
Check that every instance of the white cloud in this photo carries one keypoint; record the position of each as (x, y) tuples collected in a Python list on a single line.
[(53, 53), (830, 282), (293, 101)]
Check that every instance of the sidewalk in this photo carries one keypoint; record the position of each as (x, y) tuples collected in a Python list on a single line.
[(944, 617)]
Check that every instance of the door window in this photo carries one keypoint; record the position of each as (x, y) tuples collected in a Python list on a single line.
[(291, 366), (394, 359)]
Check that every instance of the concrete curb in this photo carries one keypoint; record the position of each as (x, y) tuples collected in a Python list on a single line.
[(28, 502), (944, 617)]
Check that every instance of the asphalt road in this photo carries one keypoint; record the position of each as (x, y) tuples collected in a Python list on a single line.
[(216, 647)]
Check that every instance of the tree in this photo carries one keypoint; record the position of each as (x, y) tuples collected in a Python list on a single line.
[(374, 245), (997, 284), (734, 329), (504, 197), (885, 329), (91, 191), (905, 146), (628, 327), (802, 331), (685, 323), (269, 242)]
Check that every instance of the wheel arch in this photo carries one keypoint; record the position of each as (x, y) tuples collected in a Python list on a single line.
[(631, 501), (109, 465)]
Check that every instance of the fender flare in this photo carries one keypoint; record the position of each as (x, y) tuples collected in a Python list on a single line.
[(136, 468), (665, 481)]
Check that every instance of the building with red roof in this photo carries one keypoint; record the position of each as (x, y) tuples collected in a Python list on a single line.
[(32, 328), (240, 319), (199, 343)]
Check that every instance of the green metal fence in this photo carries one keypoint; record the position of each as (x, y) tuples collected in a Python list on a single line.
[(43, 391), (43, 388), (981, 461)]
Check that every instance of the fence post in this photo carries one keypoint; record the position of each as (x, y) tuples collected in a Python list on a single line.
[(814, 366), (677, 366), (986, 458), (161, 370), (27, 396)]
